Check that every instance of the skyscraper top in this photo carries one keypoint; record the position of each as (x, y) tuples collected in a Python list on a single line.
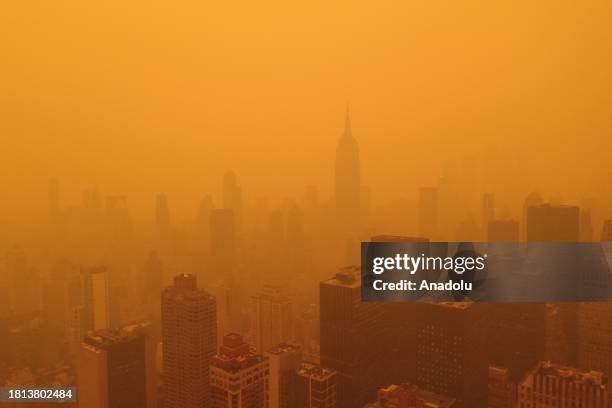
[(347, 124), (185, 288)]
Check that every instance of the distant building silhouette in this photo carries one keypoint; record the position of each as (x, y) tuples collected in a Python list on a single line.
[(232, 195), (271, 318), (116, 369), (238, 375), (553, 385), (189, 339), (503, 231), (348, 183), (553, 223)]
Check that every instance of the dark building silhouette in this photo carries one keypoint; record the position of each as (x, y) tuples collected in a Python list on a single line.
[(353, 336), (553, 223), (116, 369), (232, 195), (348, 183), (503, 231), (189, 338), (516, 336), (449, 358)]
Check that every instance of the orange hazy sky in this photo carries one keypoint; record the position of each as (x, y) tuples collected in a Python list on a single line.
[(140, 97)]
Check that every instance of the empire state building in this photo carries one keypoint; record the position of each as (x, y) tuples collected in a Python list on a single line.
[(348, 183)]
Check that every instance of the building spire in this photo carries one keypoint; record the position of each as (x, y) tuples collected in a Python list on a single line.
[(347, 124)]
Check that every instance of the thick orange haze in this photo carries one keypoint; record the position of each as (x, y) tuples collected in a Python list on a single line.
[(140, 97)]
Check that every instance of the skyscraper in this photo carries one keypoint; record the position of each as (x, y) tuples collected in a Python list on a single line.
[(285, 360), (516, 336), (189, 338), (271, 318), (553, 223), (449, 358), (348, 183), (353, 336), (116, 368), (238, 375), (553, 385)]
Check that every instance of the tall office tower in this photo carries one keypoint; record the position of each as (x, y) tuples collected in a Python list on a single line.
[(502, 390), (95, 292), (116, 368), (400, 363), (232, 195), (532, 200), (488, 212), (162, 214), (238, 375), (553, 223), (558, 223), (271, 318), (348, 183), (408, 395), (353, 336), (503, 231), (223, 242), (285, 360), (606, 231), (515, 336), (189, 342), (317, 387), (449, 357), (553, 385), (428, 212)]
